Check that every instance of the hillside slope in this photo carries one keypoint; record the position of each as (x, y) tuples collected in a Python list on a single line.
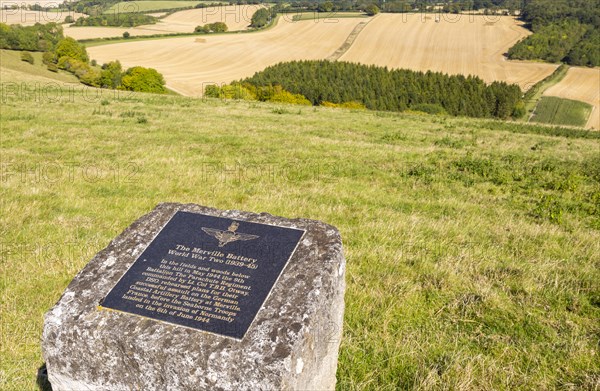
[(472, 246)]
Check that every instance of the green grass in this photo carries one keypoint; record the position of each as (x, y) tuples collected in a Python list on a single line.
[(151, 5), (472, 246), (558, 111), (534, 94)]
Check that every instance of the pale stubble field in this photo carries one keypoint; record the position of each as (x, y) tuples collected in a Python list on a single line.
[(464, 45)]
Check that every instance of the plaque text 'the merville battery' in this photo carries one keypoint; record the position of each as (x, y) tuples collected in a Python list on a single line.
[(205, 272)]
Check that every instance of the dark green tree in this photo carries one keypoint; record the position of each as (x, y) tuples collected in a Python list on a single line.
[(261, 18)]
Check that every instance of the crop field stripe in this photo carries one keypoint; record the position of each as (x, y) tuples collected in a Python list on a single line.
[(581, 84), (349, 41), (560, 111)]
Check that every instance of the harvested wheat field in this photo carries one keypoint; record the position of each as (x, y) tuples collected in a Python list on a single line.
[(236, 17), (454, 44), (190, 63), (26, 17), (581, 84), (91, 32)]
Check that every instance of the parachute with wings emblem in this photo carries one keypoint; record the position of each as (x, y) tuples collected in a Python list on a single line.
[(225, 237)]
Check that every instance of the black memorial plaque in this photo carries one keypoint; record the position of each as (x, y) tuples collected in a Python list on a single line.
[(205, 272)]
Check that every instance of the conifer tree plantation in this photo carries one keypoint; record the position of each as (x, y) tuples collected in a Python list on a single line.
[(379, 88)]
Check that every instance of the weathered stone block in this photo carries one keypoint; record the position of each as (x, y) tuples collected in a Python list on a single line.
[(292, 343)]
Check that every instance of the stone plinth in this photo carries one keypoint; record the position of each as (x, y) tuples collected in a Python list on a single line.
[(290, 342)]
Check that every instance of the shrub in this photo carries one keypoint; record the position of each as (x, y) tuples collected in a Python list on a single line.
[(70, 48), (117, 20), (217, 27), (49, 58), (27, 57), (371, 10), (110, 76), (126, 34), (69, 19), (283, 96), (143, 80)]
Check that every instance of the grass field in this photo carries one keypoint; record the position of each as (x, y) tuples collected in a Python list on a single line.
[(582, 84), (472, 246), (559, 111), (10, 60)]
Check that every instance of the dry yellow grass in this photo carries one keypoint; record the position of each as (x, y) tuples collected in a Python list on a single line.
[(188, 66), (454, 44), (26, 17), (237, 17), (581, 84)]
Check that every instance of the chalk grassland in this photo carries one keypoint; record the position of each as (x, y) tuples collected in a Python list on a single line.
[(458, 44), (237, 17), (472, 248), (11, 62), (189, 65), (29, 18), (581, 84)]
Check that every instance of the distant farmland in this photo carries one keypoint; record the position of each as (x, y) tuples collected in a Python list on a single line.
[(457, 44), (581, 84), (472, 45), (149, 5), (237, 17), (190, 63)]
